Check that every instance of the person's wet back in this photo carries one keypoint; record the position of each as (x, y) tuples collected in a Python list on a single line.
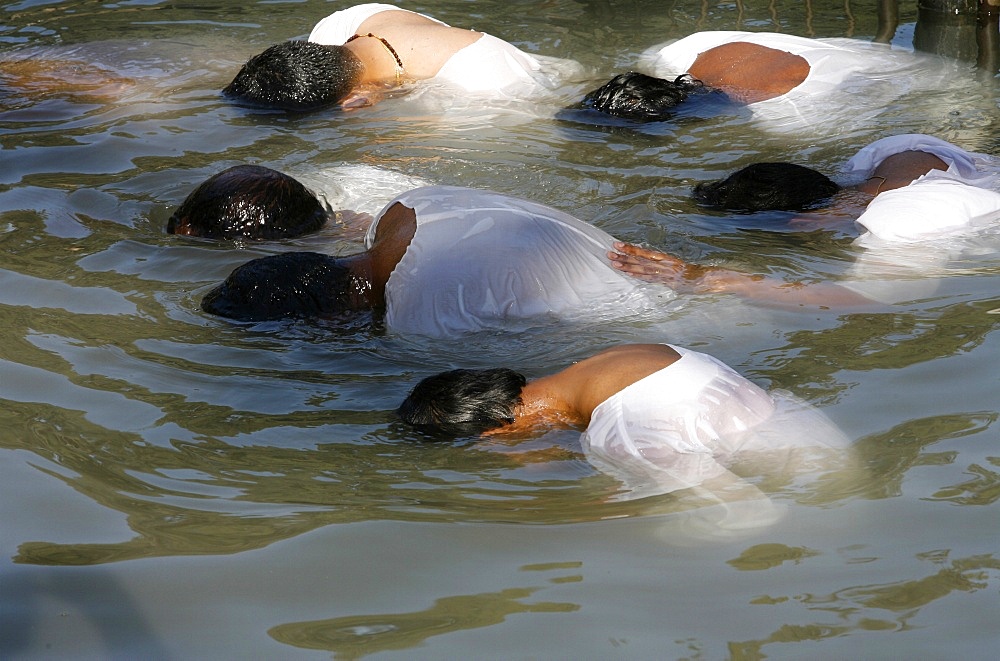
[(919, 194), (445, 260), (658, 417), (354, 55), (789, 80)]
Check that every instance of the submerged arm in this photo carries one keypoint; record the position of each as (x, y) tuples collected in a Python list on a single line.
[(655, 266)]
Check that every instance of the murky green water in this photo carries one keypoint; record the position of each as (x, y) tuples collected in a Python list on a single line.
[(179, 487)]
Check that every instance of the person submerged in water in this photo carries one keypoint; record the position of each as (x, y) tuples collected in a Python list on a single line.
[(354, 55), (910, 189), (660, 417), (47, 75), (746, 68), (249, 202), (439, 260)]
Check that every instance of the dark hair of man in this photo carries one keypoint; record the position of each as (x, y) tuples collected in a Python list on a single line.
[(289, 285), (637, 96), (463, 402), (768, 187), (248, 202), (297, 75)]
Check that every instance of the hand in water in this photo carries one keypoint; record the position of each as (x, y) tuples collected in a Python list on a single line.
[(655, 266)]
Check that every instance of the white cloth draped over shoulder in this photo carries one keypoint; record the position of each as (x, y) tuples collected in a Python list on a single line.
[(938, 203), (689, 422), (849, 81), (481, 260), (489, 66), (910, 233)]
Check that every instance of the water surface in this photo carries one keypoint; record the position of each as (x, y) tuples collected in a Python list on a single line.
[(176, 486)]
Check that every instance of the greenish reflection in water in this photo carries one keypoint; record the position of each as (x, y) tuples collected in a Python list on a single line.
[(876, 608), (360, 635), (203, 438)]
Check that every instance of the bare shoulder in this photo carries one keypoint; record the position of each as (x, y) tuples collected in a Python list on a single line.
[(397, 222), (628, 363), (725, 56), (750, 72), (902, 168), (391, 17), (636, 352), (423, 44), (601, 376)]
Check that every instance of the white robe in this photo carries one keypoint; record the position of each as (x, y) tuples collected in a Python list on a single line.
[(481, 260), (849, 80), (688, 422), (910, 234), (488, 66)]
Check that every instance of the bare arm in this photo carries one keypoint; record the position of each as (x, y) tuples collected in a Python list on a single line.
[(750, 72), (39, 78), (655, 266)]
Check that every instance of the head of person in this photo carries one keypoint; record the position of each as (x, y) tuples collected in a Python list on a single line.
[(288, 285), (464, 402), (634, 95), (298, 76), (248, 202), (768, 187)]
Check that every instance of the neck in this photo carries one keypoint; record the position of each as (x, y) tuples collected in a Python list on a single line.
[(544, 402), (365, 293), (381, 61)]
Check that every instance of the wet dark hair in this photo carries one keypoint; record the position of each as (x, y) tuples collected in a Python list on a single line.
[(463, 402), (637, 96), (248, 202), (768, 187), (297, 75), (292, 284)]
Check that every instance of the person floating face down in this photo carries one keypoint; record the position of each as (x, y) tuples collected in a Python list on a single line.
[(439, 260), (51, 74), (354, 55), (911, 189), (659, 417), (249, 202), (744, 67)]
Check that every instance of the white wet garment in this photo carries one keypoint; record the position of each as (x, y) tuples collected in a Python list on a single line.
[(356, 186), (849, 80), (831, 61), (970, 167), (686, 423), (482, 260), (492, 65), (487, 66), (338, 27), (933, 206), (910, 234)]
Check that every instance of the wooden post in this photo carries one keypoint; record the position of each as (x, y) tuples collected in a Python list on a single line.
[(988, 37), (950, 6), (947, 27), (963, 29), (888, 21)]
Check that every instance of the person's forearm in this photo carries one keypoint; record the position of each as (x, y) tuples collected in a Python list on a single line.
[(656, 266), (777, 292)]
